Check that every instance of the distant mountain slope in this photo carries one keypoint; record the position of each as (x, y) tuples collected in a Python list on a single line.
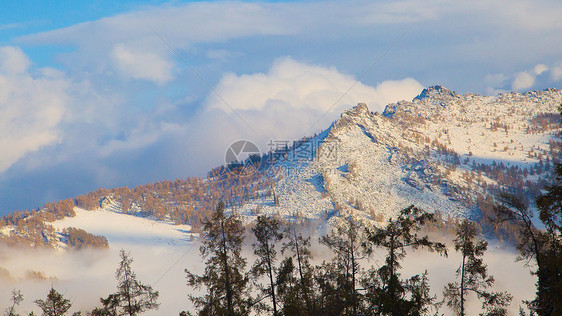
[(122, 230), (442, 151)]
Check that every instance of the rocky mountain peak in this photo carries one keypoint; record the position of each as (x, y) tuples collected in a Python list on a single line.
[(359, 110), (351, 117), (436, 92)]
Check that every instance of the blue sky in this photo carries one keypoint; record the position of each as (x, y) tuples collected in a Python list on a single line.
[(91, 96)]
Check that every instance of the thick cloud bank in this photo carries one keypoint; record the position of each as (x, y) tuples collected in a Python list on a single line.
[(90, 136), (297, 85), (32, 105)]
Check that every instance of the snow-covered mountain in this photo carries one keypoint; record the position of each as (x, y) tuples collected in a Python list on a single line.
[(439, 152), (442, 152)]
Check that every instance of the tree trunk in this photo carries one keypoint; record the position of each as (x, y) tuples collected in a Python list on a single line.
[(353, 272), (226, 273), (462, 283), (271, 282), (305, 292)]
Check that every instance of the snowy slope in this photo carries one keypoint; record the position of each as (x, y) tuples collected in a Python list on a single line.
[(122, 230), (422, 152)]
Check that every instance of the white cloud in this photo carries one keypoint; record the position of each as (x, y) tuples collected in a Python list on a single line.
[(13, 60), (556, 72), (220, 54), (141, 136), (395, 90), (296, 85), (129, 42), (31, 106), (292, 100), (526, 14), (201, 22), (11, 26), (495, 80), (540, 76), (540, 68), (139, 64), (101, 45), (523, 80), (188, 26), (527, 79)]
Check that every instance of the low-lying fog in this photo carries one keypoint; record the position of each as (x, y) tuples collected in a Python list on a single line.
[(86, 275)]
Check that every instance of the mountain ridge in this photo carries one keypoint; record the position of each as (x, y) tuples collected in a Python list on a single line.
[(442, 151), (425, 142)]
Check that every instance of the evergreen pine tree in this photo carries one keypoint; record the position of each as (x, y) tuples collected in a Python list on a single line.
[(473, 276), (16, 299), (339, 279), (549, 297), (386, 293), (132, 296), (110, 305), (298, 289), (267, 232), (534, 244), (54, 305), (224, 277)]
